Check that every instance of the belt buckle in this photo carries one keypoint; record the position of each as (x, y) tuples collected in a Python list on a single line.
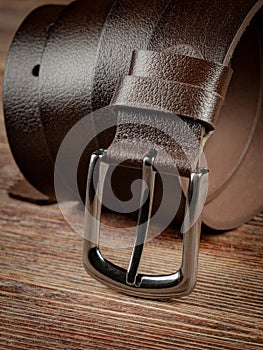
[(129, 281)]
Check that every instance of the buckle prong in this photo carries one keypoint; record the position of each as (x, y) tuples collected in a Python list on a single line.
[(144, 217), (130, 281)]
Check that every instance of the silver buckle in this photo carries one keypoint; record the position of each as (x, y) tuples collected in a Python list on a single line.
[(129, 281)]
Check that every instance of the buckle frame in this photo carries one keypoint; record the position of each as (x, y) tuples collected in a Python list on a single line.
[(129, 281)]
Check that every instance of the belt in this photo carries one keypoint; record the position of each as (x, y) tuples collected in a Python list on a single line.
[(151, 62)]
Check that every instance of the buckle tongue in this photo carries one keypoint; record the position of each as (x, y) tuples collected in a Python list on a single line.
[(144, 217), (129, 281)]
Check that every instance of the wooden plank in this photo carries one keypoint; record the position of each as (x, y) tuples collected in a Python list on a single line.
[(49, 302)]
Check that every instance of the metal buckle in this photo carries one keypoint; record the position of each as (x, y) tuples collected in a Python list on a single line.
[(129, 281)]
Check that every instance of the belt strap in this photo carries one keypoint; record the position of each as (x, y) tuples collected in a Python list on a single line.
[(160, 85), (191, 78), (185, 54), (21, 105), (184, 51)]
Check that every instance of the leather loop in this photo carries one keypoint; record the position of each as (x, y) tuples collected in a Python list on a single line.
[(180, 84), (172, 64), (169, 96)]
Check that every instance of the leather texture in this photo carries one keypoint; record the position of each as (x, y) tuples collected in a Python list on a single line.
[(180, 84), (21, 99), (149, 60)]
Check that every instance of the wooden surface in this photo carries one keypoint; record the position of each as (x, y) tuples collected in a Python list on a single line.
[(49, 302)]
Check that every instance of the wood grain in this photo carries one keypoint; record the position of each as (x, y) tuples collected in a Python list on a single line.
[(49, 302)]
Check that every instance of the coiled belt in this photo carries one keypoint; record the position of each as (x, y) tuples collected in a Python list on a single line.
[(150, 61)]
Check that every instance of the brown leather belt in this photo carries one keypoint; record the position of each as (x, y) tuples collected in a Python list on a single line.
[(150, 61)]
